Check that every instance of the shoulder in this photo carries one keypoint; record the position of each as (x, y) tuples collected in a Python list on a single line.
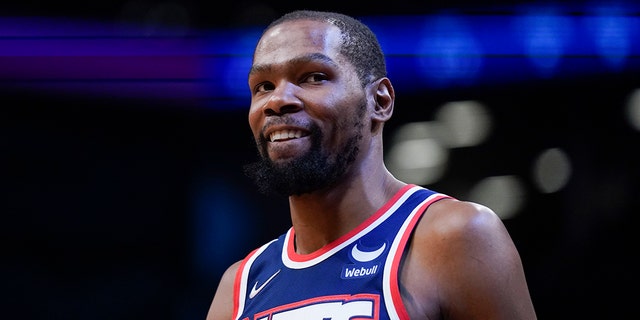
[(463, 232), (472, 263), (221, 306), (223, 300), (459, 220)]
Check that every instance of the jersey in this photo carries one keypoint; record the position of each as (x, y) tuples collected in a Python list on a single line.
[(353, 277)]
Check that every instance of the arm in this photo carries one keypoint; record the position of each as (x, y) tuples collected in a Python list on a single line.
[(469, 258), (222, 305)]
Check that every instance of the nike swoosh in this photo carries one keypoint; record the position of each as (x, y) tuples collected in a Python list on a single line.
[(366, 256), (255, 291)]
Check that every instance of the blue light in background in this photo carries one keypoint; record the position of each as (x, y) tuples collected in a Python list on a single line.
[(613, 32), (209, 67), (226, 62), (219, 212), (545, 33), (449, 52)]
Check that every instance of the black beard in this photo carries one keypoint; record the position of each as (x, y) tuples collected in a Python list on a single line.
[(315, 170), (312, 171)]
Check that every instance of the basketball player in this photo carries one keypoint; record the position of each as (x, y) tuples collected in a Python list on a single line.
[(363, 245)]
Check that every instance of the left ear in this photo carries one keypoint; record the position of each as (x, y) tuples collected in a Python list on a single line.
[(384, 99)]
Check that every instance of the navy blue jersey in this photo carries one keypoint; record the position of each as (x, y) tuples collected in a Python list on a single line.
[(354, 277)]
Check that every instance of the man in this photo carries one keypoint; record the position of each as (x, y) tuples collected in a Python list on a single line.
[(362, 243)]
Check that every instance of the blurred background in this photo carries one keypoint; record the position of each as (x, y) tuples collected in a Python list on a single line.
[(123, 135)]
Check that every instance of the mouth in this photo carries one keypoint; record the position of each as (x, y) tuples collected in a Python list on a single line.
[(282, 135)]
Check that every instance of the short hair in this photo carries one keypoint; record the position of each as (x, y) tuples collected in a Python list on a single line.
[(359, 44)]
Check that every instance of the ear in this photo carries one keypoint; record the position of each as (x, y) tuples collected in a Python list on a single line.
[(385, 97)]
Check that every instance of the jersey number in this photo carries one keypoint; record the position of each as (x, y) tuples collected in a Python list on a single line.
[(341, 307)]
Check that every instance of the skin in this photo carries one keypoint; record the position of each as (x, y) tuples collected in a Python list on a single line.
[(461, 253)]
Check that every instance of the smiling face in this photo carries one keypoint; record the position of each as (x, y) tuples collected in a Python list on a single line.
[(307, 110)]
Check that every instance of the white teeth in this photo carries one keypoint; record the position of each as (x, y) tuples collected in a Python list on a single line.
[(285, 134)]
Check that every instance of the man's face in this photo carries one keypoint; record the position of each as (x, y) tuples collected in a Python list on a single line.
[(307, 110)]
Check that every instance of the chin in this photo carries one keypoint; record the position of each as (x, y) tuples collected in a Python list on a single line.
[(281, 162)]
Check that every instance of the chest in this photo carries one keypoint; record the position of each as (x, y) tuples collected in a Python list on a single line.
[(354, 277)]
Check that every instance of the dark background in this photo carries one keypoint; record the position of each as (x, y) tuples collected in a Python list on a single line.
[(116, 208)]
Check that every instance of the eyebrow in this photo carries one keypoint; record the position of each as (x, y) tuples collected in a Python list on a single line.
[(299, 60)]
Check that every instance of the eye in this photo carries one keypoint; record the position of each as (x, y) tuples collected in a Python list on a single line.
[(263, 87), (315, 78)]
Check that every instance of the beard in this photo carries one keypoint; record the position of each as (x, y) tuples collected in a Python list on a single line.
[(317, 169)]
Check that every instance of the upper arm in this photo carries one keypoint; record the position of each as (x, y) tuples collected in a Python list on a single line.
[(222, 305), (477, 267)]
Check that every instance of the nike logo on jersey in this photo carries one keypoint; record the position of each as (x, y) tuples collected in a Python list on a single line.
[(366, 256), (255, 290)]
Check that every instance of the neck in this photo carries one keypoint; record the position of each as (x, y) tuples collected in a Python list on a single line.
[(323, 216)]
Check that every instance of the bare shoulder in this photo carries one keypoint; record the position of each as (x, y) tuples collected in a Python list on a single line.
[(467, 254), (462, 234), (461, 220), (222, 305)]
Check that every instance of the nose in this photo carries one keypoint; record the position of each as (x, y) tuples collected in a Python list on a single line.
[(283, 99)]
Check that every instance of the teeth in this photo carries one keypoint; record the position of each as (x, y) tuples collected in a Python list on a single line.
[(285, 134)]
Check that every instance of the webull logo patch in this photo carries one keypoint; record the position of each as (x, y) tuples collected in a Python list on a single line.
[(353, 271)]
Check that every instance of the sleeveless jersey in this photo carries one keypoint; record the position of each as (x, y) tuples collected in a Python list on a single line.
[(354, 277)]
